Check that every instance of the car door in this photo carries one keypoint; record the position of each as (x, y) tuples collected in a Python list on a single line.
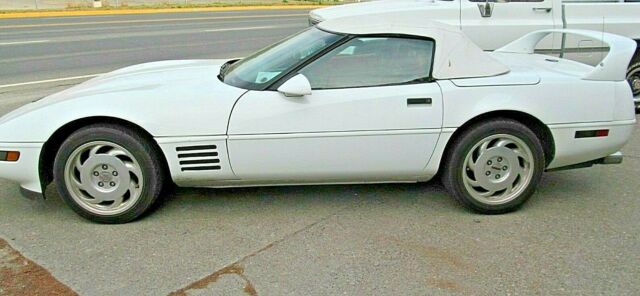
[(492, 24), (373, 115)]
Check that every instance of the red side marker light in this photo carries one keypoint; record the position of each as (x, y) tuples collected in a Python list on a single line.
[(602, 133), (592, 134)]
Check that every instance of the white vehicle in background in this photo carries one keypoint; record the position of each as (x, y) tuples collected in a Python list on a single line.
[(492, 24), (375, 98)]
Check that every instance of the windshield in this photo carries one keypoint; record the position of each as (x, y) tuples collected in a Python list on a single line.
[(260, 69)]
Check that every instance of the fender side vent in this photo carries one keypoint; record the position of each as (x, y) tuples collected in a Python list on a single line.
[(199, 158)]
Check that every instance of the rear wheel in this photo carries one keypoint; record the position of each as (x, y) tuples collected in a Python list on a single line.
[(494, 166), (633, 76), (108, 173)]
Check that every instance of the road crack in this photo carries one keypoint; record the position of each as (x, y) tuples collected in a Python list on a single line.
[(236, 267)]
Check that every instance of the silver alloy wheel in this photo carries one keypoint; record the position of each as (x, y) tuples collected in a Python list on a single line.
[(634, 80), (103, 178), (498, 169)]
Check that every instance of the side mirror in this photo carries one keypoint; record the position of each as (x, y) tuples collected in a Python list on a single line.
[(297, 86)]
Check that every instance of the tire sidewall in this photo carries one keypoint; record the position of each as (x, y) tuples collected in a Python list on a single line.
[(469, 139), (137, 146)]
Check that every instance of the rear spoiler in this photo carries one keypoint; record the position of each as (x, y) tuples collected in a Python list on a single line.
[(612, 68)]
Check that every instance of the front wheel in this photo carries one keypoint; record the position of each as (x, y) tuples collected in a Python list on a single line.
[(495, 166), (108, 173)]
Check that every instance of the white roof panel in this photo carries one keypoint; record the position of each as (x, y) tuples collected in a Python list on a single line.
[(455, 56)]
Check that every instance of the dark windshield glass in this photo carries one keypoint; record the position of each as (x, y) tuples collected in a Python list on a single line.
[(260, 69)]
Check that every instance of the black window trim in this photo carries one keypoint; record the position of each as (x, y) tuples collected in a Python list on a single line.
[(295, 70)]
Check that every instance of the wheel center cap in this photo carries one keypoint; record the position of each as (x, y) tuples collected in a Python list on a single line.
[(105, 177), (496, 168), (106, 174)]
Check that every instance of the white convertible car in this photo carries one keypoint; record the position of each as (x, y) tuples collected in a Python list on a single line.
[(388, 97)]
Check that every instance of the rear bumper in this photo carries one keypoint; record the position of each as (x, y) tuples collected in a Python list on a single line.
[(615, 158), (573, 151)]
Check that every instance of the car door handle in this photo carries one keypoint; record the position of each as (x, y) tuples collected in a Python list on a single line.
[(545, 9), (419, 101)]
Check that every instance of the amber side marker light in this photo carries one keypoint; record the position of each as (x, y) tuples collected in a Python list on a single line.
[(12, 156)]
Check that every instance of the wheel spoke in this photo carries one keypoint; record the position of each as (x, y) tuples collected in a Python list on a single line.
[(76, 183), (94, 150), (117, 202), (504, 143), (134, 169), (471, 164), (520, 154), (473, 183), (117, 152), (78, 164), (484, 147), (133, 188), (488, 193), (508, 190), (95, 200)]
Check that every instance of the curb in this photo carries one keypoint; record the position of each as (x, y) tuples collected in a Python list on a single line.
[(36, 14)]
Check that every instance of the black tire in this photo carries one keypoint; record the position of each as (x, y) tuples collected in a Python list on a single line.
[(633, 74), (145, 153), (452, 173)]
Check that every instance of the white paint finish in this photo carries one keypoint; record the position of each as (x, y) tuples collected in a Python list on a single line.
[(50, 80), (570, 150), (185, 178), (25, 170), (612, 68), (339, 110), (189, 140), (508, 21), (171, 98), (550, 101), (385, 136), (453, 50), (617, 18), (518, 76), (442, 11), (358, 157)]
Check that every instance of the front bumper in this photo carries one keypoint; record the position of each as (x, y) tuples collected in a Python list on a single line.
[(25, 170), (31, 194)]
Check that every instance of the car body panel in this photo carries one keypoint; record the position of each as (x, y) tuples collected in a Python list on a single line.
[(151, 96), (353, 133)]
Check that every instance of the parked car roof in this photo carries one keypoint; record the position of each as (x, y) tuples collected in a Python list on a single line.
[(455, 55)]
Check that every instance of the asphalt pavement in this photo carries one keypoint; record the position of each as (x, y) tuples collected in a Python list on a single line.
[(579, 235)]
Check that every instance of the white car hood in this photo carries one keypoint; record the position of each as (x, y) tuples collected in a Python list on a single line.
[(143, 76), (167, 98)]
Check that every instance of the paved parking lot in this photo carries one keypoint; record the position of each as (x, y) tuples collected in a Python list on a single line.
[(579, 234)]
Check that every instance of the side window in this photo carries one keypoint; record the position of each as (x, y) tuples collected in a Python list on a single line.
[(372, 61)]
